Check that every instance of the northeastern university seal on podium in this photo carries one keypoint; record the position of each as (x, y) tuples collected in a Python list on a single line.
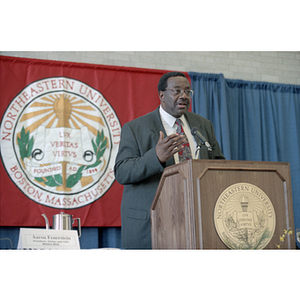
[(244, 217)]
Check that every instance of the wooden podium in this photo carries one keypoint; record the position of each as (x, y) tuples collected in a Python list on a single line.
[(219, 204)]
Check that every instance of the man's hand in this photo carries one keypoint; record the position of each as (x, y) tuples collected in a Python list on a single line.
[(168, 146)]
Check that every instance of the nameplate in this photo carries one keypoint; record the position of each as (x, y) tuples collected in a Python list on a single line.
[(48, 239)]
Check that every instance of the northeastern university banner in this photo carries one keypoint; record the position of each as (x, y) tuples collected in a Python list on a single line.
[(60, 131)]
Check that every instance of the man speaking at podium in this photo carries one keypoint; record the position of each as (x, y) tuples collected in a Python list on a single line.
[(161, 138)]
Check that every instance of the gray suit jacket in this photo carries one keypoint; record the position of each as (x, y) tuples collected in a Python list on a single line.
[(139, 170)]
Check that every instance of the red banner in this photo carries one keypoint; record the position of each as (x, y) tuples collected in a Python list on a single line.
[(60, 130)]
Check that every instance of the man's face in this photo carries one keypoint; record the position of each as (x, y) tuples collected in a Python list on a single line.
[(172, 104)]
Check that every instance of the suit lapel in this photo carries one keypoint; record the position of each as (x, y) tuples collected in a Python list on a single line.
[(193, 122), (156, 126)]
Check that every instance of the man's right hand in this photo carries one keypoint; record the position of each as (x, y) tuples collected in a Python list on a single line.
[(168, 146)]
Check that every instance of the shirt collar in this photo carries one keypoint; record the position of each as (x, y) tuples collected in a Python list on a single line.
[(167, 117)]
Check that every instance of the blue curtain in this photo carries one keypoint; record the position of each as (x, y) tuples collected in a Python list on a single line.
[(254, 121)]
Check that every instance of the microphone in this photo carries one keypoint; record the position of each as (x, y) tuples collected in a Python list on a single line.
[(196, 133)]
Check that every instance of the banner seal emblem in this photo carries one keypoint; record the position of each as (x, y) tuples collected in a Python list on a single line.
[(59, 140)]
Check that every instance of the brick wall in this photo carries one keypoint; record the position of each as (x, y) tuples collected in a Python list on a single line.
[(279, 67)]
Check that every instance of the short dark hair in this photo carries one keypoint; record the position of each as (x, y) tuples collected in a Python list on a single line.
[(162, 84)]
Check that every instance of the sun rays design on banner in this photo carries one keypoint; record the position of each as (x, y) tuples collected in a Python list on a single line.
[(68, 112), (61, 110)]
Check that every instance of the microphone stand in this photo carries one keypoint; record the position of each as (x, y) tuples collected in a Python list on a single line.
[(199, 147), (198, 152), (201, 142)]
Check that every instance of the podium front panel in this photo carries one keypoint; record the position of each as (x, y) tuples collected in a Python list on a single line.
[(214, 204)]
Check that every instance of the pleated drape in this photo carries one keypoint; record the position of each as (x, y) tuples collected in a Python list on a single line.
[(255, 121)]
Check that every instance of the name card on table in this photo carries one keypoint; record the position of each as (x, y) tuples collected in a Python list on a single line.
[(48, 239)]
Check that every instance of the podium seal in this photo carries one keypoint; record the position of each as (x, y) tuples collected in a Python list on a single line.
[(244, 217)]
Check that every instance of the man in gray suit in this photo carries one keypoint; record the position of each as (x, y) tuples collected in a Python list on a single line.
[(148, 145)]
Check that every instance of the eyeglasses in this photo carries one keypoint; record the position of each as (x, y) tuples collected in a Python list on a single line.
[(179, 92)]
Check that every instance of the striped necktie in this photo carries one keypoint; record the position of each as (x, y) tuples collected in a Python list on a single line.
[(185, 153)]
